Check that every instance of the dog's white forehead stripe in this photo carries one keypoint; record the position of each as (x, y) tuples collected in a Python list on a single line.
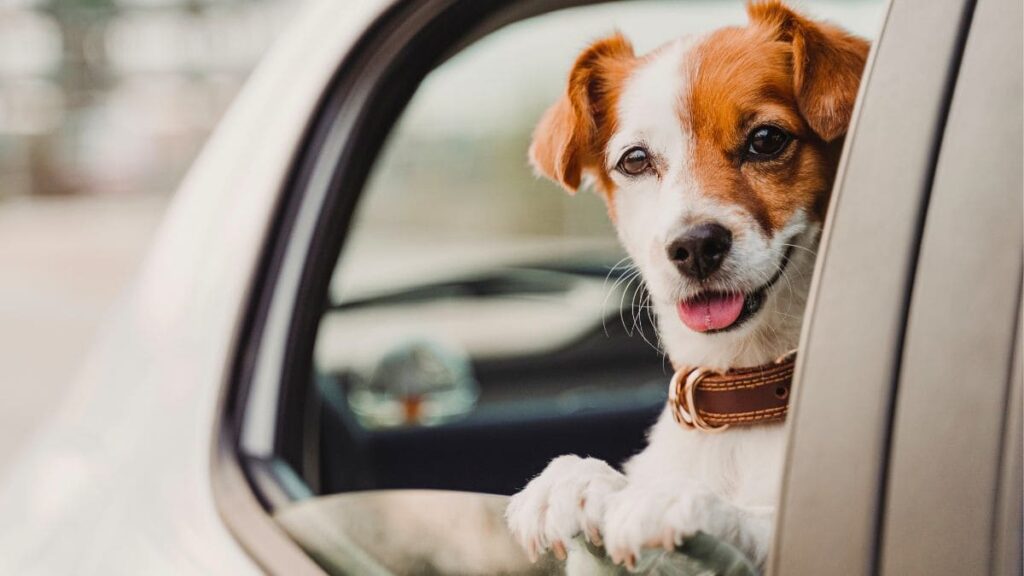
[(649, 105)]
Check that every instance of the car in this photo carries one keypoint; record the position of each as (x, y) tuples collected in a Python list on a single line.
[(363, 324)]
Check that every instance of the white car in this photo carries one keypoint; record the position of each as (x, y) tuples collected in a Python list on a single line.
[(291, 374)]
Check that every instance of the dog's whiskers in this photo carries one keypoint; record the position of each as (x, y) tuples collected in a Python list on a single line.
[(799, 247), (622, 299), (628, 269), (645, 304)]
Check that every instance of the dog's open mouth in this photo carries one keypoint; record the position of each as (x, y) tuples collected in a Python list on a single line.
[(711, 311)]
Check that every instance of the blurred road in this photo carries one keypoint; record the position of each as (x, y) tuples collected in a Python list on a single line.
[(63, 263)]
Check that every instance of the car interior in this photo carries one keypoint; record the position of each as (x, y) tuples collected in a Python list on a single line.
[(555, 388)]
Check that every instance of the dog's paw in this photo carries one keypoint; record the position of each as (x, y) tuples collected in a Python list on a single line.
[(566, 499), (643, 516)]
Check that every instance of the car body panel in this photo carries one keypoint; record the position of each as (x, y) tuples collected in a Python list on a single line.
[(948, 421), (119, 482), (853, 330)]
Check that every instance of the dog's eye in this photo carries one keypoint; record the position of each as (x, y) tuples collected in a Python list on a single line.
[(766, 142), (634, 162)]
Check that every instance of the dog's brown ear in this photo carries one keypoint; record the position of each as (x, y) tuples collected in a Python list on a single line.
[(567, 140), (827, 65)]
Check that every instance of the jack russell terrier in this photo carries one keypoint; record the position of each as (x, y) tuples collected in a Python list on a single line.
[(716, 156)]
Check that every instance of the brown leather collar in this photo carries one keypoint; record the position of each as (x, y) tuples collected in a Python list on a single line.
[(713, 401)]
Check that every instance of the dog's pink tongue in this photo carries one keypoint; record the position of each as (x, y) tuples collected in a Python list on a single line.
[(712, 313)]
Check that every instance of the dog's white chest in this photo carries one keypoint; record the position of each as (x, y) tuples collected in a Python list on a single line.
[(743, 465)]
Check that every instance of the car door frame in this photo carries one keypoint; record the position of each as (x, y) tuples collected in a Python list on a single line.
[(256, 457)]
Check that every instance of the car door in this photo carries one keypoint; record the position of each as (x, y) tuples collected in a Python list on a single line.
[(904, 454)]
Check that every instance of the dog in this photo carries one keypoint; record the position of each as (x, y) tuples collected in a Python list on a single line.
[(715, 155)]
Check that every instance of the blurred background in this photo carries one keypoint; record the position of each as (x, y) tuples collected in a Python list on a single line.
[(103, 106)]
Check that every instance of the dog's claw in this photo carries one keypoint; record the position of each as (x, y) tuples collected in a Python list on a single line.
[(594, 536), (559, 549), (628, 559), (668, 540), (531, 551)]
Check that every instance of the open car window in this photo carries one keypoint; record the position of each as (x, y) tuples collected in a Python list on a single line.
[(479, 321)]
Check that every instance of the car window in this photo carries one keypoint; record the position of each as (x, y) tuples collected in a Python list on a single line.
[(480, 320)]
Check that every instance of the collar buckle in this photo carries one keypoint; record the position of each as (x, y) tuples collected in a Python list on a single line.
[(681, 399)]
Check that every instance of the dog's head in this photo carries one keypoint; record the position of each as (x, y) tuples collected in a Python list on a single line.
[(716, 156)]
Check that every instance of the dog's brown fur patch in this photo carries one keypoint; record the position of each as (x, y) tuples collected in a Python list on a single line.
[(572, 135), (781, 70)]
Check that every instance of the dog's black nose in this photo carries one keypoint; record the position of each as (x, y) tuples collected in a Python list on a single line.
[(699, 252)]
